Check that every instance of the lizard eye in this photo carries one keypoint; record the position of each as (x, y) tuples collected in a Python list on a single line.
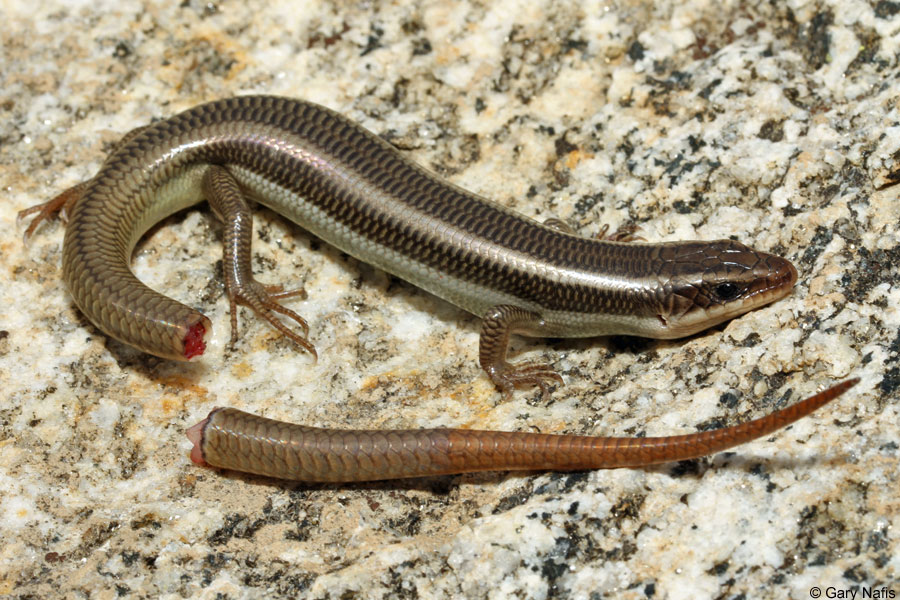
[(727, 291)]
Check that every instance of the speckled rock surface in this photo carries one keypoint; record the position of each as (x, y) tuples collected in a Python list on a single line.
[(777, 124)]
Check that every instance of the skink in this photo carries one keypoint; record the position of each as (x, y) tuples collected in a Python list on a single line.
[(355, 191)]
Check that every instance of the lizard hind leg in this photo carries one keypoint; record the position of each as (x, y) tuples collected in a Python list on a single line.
[(227, 200), (60, 205)]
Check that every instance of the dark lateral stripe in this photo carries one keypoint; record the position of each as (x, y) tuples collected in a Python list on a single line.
[(348, 145)]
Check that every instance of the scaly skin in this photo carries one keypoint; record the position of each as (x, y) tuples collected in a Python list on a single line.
[(356, 192), (239, 441)]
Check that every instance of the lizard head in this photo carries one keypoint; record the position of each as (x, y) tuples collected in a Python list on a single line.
[(702, 284)]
